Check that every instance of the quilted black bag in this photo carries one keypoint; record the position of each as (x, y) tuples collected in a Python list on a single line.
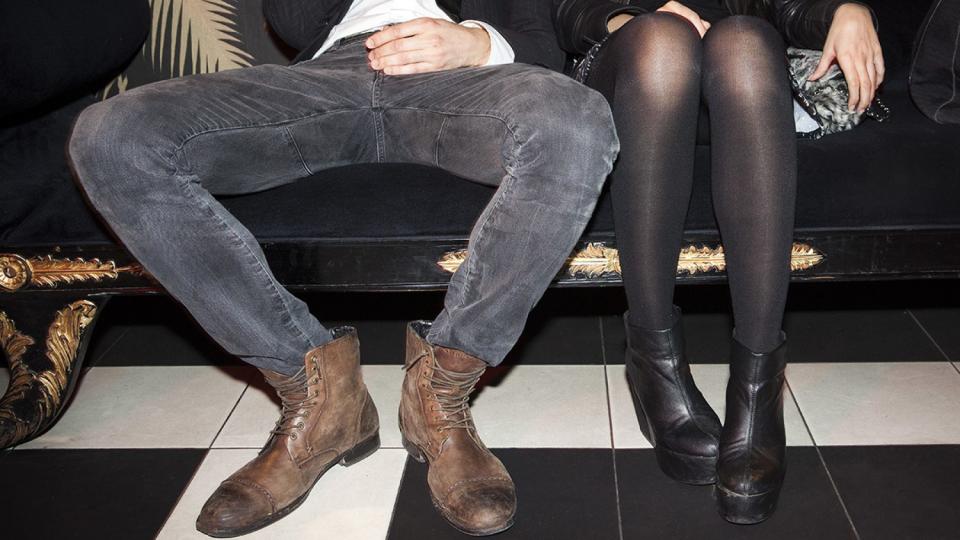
[(935, 70)]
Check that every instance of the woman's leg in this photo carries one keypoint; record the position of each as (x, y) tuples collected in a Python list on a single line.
[(754, 169), (650, 73)]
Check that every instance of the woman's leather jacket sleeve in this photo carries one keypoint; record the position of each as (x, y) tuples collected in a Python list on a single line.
[(582, 23), (803, 23)]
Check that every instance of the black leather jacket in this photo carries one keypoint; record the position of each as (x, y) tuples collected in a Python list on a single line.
[(804, 23)]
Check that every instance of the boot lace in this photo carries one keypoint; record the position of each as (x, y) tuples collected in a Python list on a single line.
[(296, 400), (452, 391)]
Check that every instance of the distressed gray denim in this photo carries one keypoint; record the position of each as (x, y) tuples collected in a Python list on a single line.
[(152, 159)]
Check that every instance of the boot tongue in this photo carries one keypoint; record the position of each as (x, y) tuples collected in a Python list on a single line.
[(458, 361)]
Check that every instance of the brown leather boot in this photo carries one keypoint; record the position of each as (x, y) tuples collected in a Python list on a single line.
[(468, 484), (328, 417)]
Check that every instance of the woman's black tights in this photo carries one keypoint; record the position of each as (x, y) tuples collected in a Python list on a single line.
[(655, 71)]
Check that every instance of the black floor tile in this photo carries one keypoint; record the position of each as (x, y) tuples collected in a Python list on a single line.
[(654, 506), (943, 324), (157, 331), (154, 331), (558, 331), (92, 493), (899, 492), (876, 335), (562, 494)]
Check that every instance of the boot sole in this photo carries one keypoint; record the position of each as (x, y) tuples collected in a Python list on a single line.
[(685, 468), (361, 451), (743, 509), (417, 454)]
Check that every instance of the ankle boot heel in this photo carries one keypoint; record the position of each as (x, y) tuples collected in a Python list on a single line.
[(687, 468), (745, 509), (671, 411), (362, 450)]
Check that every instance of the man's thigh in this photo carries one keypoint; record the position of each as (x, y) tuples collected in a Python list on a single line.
[(248, 129), (473, 121)]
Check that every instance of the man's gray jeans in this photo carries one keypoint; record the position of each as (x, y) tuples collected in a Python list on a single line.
[(152, 159)]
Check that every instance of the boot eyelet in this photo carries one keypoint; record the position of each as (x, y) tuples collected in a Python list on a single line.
[(300, 426), (293, 436)]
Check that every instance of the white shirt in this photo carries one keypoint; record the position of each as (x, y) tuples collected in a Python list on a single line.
[(369, 15)]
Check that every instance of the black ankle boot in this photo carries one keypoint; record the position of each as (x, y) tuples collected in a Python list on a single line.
[(752, 447), (674, 417)]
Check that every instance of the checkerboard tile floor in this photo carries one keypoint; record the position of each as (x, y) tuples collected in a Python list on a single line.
[(162, 416)]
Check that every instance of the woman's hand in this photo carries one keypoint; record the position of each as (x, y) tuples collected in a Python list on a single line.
[(853, 43), (676, 8), (679, 9)]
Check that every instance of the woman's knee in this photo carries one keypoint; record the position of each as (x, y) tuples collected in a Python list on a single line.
[(656, 54), (744, 55)]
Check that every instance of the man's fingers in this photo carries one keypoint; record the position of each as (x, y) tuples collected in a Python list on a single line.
[(825, 61), (397, 31), (410, 69), (397, 46)]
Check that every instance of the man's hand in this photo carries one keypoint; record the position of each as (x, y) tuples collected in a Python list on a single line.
[(424, 45), (853, 43)]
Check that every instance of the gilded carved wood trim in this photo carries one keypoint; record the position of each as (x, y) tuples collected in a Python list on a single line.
[(597, 260), (17, 272), (35, 397)]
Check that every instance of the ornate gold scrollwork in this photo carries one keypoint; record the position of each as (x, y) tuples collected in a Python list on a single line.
[(596, 260), (47, 387), (16, 271)]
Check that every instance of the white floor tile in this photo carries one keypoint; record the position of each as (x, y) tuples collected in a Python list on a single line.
[(346, 504), (251, 422), (879, 403), (146, 407), (712, 381), (545, 406), (533, 406)]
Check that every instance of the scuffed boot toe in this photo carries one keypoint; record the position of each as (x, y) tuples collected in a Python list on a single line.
[(234, 509), (482, 510)]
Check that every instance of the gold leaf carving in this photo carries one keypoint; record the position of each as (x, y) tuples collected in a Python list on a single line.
[(48, 271), (204, 29), (63, 340), (597, 260), (16, 272), (593, 261), (14, 345)]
